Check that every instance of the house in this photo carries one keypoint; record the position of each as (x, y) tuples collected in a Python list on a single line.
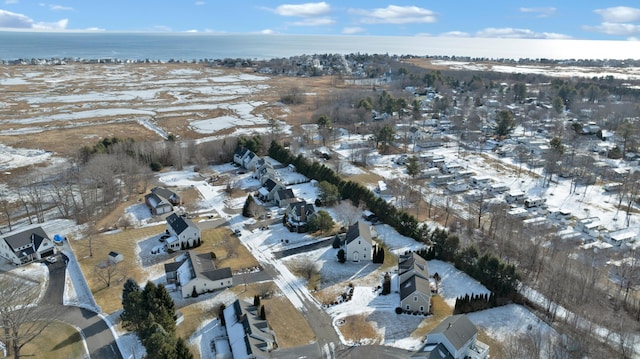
[(26, 246), (197, 273), (267, 192), (168, 195), (382, 189), (245, 158), (357, 243), (265, 171), (415, 134), (298, 214), (157, 204), (249, 335), (183, 233), (413, 279), (458, 337), (284, 196)]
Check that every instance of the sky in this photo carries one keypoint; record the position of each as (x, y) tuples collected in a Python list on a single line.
[(567, 19)]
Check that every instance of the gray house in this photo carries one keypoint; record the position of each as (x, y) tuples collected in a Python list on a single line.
[(455, 338), (413, 278), (197, 272)]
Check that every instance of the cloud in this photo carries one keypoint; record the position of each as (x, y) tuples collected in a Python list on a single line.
[(14, 20), (394, 14), (619, 14), (54, 7), (611, 28), (352, 30), (318, 21), (456, 34), (511, 33), (200, 3), (10, 2), (267, 32), (540, 11), (303, 10)]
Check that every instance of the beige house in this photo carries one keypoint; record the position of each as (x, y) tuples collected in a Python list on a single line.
[(358, 244), (413, 279)]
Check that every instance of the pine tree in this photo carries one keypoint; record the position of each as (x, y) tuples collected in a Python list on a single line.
[(129, 286), (247, 209), (256, 300), (182, 351), (194, 292), (336, 242), (263, 315), (221, 315), (386, 284), (341, 256)]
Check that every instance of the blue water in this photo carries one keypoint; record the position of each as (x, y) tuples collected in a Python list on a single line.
[(197, 46)]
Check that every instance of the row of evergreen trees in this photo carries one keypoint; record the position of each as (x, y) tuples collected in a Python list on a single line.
[(150, 313), (378, 254), (474, 303), (500, 278)]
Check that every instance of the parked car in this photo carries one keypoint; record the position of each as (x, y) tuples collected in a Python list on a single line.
[(52, 259)]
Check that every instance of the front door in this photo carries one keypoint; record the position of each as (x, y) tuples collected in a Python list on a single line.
[(355, 256)]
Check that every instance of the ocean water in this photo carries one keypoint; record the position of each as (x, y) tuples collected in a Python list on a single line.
[(190, 46)]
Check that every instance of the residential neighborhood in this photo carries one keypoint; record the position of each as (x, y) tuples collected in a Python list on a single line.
[(448, 214)]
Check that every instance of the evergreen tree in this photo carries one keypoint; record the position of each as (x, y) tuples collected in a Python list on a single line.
[(133, 312), (221, 315), (182, 351), (249, 207), (129, 286), (263, 315), (256, 300), (342, 257), (386, 284), (336, 242), (194, 292)]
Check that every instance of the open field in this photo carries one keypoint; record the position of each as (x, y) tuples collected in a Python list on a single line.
[(58, 341)]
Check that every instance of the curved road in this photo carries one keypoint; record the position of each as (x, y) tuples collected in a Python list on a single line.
[(99, 338)]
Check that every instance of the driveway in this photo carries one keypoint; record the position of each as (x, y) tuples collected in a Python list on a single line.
[(99, 338)]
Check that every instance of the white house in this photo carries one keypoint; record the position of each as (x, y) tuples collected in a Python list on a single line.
[(197, 273), (246, 158), (358, 244), (284, 196), (249, 335), (26, 246), (458, 337), (267, 192), (414, 286), (183, 233)]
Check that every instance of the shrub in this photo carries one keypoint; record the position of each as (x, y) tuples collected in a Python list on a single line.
[(398, 310), (155, 166)]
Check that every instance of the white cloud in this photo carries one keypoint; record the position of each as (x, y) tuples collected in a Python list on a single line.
[(456, 34), (511, 33), (318, 21), (54, 7), (10, 2), (352, 30), (539, 11), (611, 28), (303, 10), (394, 14), (619, 14), (267, 32), (200, 3), (14, 20)]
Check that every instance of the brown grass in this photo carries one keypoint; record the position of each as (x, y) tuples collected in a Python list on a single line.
[(357, 328), (366, 178), (495, 347), (59, 340), (440, 310), (123, 242), (229, 251), (290, 326)]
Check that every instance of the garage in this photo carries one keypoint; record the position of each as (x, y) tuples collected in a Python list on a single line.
[(46, 254)]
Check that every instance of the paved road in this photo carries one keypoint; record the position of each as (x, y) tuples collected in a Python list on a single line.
[(372, 352), (99, 338), (304, 248)]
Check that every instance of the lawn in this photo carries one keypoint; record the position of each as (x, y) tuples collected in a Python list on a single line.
[(287, 322), (59, 340)]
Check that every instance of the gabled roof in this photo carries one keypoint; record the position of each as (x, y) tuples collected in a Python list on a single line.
[(270, 184), (359, 229), (240, 151), (163, 192), (413, 263), (458, 329), (33, 236), (433, 351), (302, 207), (286, 193), (414, 284), (179, 223)]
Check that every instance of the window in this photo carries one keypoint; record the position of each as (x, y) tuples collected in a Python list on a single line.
[(415, 298), (358, 242), (221, 283), (421, 308), (408, 307)]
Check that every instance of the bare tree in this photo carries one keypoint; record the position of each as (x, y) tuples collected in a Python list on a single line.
[(20, 316), (347, 213), (108, 271)]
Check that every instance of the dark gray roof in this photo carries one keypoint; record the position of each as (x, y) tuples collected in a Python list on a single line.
[(33, 236), (359, 229), (286, 193), (413, 284), (164, 193), (179, 223), (173, 266), (433, 351), (413, 262), (302, 207), (458, 329), (240, 151), (217, 274), (270, 184)]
